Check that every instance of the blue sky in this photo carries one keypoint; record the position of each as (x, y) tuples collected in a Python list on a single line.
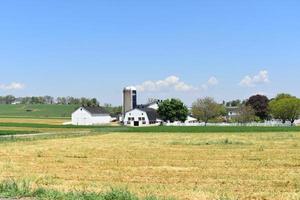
[(225, 49)]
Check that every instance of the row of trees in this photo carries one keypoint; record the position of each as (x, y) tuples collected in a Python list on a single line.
[(284, 107), (9, 99)]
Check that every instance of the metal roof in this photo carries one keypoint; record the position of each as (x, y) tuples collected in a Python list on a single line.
[(96, 110)]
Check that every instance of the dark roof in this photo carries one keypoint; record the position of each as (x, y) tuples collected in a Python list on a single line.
[(151, 113), (148, 104), (96, 110), (141, 106)]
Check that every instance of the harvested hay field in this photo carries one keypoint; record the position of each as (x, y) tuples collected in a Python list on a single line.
[(180, 165), (34, 121)]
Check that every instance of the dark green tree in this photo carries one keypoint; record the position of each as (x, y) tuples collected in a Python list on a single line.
[(260, 104), (173, 110)]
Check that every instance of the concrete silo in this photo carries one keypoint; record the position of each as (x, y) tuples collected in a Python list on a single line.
[(129, 99)]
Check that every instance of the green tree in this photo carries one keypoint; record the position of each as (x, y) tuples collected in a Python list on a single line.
[(283, 96), (285, 109), (172, 110), (113, 110), (206, 109), (245, 114), (9, 99)]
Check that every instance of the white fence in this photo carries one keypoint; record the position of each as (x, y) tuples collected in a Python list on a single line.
[(266, 123)]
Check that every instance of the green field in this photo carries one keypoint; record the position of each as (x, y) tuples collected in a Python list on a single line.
[(157, 129), (37, 111)]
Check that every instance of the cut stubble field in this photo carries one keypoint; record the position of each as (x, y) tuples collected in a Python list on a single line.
[(179, 165)]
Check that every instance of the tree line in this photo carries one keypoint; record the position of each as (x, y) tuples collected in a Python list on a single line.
[(257, 108), (93, 102), (10, 99)]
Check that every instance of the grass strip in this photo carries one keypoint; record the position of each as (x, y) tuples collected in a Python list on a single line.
[(198, 129), (22, 189), (161, 129), (13, 132)]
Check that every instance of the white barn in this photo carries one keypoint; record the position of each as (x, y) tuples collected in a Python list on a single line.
[(141, 117), (90, 116)]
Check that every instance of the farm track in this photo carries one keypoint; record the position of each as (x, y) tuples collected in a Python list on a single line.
[(43, 134)]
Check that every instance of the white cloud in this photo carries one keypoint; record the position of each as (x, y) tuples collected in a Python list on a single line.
[(212, 81), (12, 86), (173, 83), (261, 78)]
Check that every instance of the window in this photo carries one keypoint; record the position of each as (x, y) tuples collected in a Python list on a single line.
[(128, 122), (140, 119), (143, 118), (144, 122)]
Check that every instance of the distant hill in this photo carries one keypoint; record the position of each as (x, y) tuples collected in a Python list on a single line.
[(37, 111)]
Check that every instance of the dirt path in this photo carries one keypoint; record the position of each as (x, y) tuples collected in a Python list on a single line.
[(41, 134)]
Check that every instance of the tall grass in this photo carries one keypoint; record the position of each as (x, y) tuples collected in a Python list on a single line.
[(22, 189)]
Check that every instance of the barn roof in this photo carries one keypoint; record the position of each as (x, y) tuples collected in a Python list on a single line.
[(95, 110), (141, 106), (151, 113)]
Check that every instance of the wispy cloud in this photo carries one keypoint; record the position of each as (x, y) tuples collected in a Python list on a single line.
[(251, 81), (12, 86), (212, 81), (171, 82), (174, 83)]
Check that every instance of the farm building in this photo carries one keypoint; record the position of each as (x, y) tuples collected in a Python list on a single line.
[(90, 116), (141, 117), (232, 112)]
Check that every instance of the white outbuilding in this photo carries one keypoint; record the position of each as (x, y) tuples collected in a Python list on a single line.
[(90, 116)]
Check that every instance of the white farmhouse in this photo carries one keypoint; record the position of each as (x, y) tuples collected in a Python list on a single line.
[(90, 116), (232, 112), (141, 117)]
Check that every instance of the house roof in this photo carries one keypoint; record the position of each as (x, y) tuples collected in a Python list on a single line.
[(235, 108), (95, 110)]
